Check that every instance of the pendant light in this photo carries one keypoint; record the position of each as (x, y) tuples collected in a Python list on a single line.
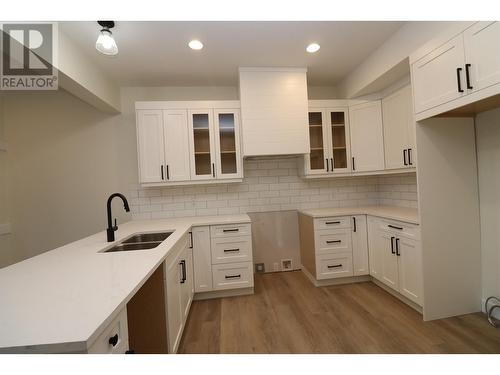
[(105, 43)]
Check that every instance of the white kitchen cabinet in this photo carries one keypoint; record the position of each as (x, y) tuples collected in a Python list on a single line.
[(162, 137), (173, 277), (367, 142), (176, 138), (114, 338), (482, 54), (410, 269), (390, 273), (202, 259), (150, 145), (439, 77), (395, 256), (227, 143), (182, 143), (274, 111), (187, 285), (329, 141), (399, 129), (360, 246), (375, 246)]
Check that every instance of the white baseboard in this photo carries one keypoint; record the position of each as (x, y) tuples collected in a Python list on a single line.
[(223, 293), (5, 229)]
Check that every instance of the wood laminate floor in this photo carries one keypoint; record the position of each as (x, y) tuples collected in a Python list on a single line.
[(287, 314)]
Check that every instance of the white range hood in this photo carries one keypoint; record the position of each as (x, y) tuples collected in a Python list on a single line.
[(274, 111)]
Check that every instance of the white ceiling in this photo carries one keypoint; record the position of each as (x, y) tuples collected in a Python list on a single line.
[(156, 53)]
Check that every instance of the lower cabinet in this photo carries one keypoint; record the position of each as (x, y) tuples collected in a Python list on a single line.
[(114, 339), (179, 291), (334, 247), (222, 256), (396, 256)]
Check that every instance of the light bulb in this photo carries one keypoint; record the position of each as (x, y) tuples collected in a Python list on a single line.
[(195, 44), (106, 43)]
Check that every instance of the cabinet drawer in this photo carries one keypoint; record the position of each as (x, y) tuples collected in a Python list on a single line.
[(230, 230), (331, 266), (400, 229), (232, 275), (117, 330), (332, 241), (231, 250), (332, 222)]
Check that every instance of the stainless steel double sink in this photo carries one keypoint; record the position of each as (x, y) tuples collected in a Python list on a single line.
[(140, 241)]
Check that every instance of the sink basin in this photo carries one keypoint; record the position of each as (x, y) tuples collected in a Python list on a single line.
[(133, 246), (148, 237), (141, 241)]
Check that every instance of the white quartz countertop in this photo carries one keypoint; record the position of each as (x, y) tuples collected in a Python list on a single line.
[(63, 299), (407, 215)]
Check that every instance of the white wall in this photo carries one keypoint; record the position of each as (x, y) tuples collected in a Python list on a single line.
[(488, 154), (397, 48)]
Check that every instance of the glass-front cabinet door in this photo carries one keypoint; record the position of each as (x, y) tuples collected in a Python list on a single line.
[(339, 134), (317, 162), (202, 144), (228, 155)]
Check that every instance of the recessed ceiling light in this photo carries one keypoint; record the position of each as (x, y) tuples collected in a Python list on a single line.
[(195, 44), (313, 47)]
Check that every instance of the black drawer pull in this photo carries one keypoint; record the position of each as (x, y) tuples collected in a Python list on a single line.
[(113, 340), (467, 76), (397, 247), (230, 230), (332, 222), (327, 167), (459, 84), (409, 157), (335, 266), (232, 276), (334, 241), (354, 223), (394, 227), (231, 250), (404, 156), (392, 245)]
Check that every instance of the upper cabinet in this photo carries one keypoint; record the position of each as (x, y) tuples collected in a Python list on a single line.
[(274, 111), (461, 70), (399, 129), (188, 142), (367, 141), (329, 141)]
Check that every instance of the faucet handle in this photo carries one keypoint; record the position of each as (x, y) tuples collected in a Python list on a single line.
[(115, 226)]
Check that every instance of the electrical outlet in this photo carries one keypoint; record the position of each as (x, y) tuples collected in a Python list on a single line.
[(260, 267), (276, 267), (286, 264)]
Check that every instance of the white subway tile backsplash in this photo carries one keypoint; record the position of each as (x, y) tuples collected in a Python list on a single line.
[(271, 185)]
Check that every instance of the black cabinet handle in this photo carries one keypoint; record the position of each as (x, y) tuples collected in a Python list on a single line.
[(397, 247), (183, 268), (230, 230), (467, 76), (168, 174), (353, 166), (162, 176), (458, 80), (394, 227), (332, 222), (231, 250), (191, 235), (232, 276), (327, 167), (409, 157), (354, 224), (392, 245), (130, 351), (335, 266), (334, 241), (213, 170), (113, 340), (331, 164), (404, 156)]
